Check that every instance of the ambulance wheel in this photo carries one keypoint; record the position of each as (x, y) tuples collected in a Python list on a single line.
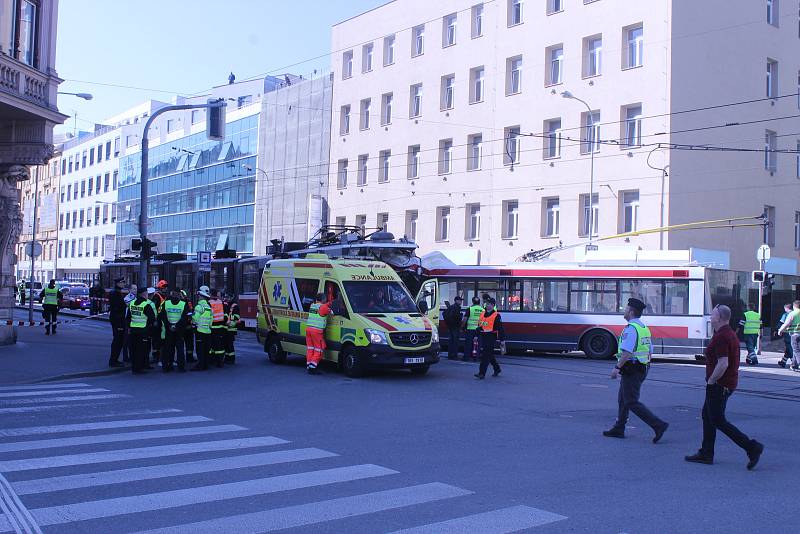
[(421, 370), (275, 352), (598, 345), (351, 363)]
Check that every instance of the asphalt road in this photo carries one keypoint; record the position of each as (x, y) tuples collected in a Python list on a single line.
[(257, 447)]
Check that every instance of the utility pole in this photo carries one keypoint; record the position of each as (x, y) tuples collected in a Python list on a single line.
[(215, 130), (33, 245), (762, 256)]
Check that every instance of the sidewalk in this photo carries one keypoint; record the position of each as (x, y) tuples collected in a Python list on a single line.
[(37, 312)]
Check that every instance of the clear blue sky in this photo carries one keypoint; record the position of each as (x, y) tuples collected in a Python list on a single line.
[(184, 46)]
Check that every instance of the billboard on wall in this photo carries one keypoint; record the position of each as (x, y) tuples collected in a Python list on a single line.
[(47, 210), (109, 241)]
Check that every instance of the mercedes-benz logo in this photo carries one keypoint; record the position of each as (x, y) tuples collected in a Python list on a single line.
[(414, 339)]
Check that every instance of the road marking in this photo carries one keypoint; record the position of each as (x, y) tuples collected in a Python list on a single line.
[(16, 515), (85, 511), (77, 427), (27, 409), (65, 399), (86, 480), (135, 412), (49, 392), (319, 512), (122, 455), (115, 438), (502, 521), (42, 386)]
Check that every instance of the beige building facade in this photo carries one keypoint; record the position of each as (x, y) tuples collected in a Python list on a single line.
[(450, 124)]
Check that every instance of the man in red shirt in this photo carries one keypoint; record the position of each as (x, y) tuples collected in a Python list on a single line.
[(722, 377)]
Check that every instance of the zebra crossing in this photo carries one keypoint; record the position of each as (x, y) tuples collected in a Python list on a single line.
[(92, 475)]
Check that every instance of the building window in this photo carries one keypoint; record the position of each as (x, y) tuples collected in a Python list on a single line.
[(512, 145), (552, 216), (61, 221), (75, 190), (473, 222), (476, 84), (386, 108), (449, 30), (442, 223), (382, 221), (555, 6), (797, 230), (80, 219), (475, 155), (591, 132), (88, 216), (555, 59), (415, 101), (83, 188), (448, 92), (196, 117), (96, 246), (769, 211), (116, 176), (366, 57), (361, 179), (172, 125), (418, 41), (384, 162), (797, 160), (80, 248), (772, 78), (630, 211), (96, 185), (105, 213), (632, 133), (347, 65), (341, 220), (60, 249), (513, 75), (773, 15), (62, 190), (770, 156), (70, 164), (413, 161), (341, 175), (510, 219), (552, 144), (365, 105), (477, 21), (592, 56), (344, 120), (83, 159), (91, 185), (97, 215), (91, 156), (515, 12), (445, 156), (116, 147), (106, 182), (26, 33), (411, 224), (361, 221), (634, 37), (589, 215), (99, 153), (64, 161), (388, 50)]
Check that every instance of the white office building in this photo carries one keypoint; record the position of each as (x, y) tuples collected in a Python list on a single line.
[(450, 124)]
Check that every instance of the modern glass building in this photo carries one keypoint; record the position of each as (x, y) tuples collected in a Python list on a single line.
[(201, 192)]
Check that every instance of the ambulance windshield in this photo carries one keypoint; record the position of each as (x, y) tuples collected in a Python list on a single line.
[(379, 297)]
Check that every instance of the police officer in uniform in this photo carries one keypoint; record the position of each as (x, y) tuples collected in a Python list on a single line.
[(174, 316), (490, 329), (230, 335), (141, 320), (751, 325), (202, 316), (51, 302), (633, 363), (188, 332), (116, 315), (470, 327)]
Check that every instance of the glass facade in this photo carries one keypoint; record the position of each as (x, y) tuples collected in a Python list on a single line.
[(200, 190)]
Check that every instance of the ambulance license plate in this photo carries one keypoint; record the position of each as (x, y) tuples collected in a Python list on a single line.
[(415, 360)]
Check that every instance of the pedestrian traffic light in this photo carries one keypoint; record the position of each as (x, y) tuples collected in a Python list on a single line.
[(215, 119), (147, 248), (136, 244), (759, 276)]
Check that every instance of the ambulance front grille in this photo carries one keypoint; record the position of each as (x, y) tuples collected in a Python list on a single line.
[(407, 339)]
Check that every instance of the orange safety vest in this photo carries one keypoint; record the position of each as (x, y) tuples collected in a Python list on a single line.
[(217, 311), (486, 324)]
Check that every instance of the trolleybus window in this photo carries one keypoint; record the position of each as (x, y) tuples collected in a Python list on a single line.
[(651, 292), (676, 296), (545, 296), (593, 296), (251, 277)]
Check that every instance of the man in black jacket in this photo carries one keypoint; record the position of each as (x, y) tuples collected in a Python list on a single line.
[(452, 318), (116, 314)]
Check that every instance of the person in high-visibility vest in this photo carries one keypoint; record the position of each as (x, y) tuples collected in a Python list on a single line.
[(315, 333), (787, 337), (633, 363), (141, 319), (51, 302), (202, 316), (174, 317), (490, 329), (751, 325), (21, 289), (230, 335), (474, 312), (188, 332), (218, 328), (792, 327)]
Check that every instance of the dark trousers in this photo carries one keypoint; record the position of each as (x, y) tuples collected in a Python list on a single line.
[(173, 343), (203, 346), (469, 343), (230, 349), (127, 351), (188, 340), (630, 387), (140, 347), (217, 349), (795, 341), (50, 316), (452, 343), (750, 341), (714, 419), (156, 344), (487, 353), (118, 341)]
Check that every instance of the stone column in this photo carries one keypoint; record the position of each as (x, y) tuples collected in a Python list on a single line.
[(10, 227)]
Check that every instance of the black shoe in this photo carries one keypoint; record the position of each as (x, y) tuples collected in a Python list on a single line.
[(312, 371), (795, 368), (782, 363), (660, 432), (497, 373), (479, 376), (699, 459), (116, 364), (614, 433), (754, 455)]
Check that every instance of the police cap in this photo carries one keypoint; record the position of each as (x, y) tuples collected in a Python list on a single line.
[(636, 304)]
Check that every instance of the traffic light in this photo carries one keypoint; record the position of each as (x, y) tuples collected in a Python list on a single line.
[(215, 119), (136, 244), (145, 248), (759, 276)]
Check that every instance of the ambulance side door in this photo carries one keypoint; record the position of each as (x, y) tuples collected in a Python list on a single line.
[(428, 300)]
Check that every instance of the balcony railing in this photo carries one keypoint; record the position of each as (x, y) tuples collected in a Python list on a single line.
[(24, 82)]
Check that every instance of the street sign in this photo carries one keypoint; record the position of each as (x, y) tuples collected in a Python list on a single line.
[(763, 253), (33, 250), (204, 262)]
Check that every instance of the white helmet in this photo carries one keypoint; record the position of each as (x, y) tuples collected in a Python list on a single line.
[(204, 291)]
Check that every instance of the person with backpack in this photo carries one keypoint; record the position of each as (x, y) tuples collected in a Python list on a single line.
[(452, 318)]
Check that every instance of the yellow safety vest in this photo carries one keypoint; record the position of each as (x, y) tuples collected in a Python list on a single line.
[(315, 320), (644, 343), (752, 322), (202, 317), (50, 296), (174, 311), (138, 316)]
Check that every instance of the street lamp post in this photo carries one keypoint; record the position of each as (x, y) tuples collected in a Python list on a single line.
[(567, 94), (268, 221), (85, 96)]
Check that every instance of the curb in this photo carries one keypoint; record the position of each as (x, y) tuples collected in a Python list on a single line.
[(83, 374), (66, 312)]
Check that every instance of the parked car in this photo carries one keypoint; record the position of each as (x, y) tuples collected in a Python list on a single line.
[(75, 297)]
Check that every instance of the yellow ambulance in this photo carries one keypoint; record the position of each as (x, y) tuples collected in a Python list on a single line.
[(376, 323)]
